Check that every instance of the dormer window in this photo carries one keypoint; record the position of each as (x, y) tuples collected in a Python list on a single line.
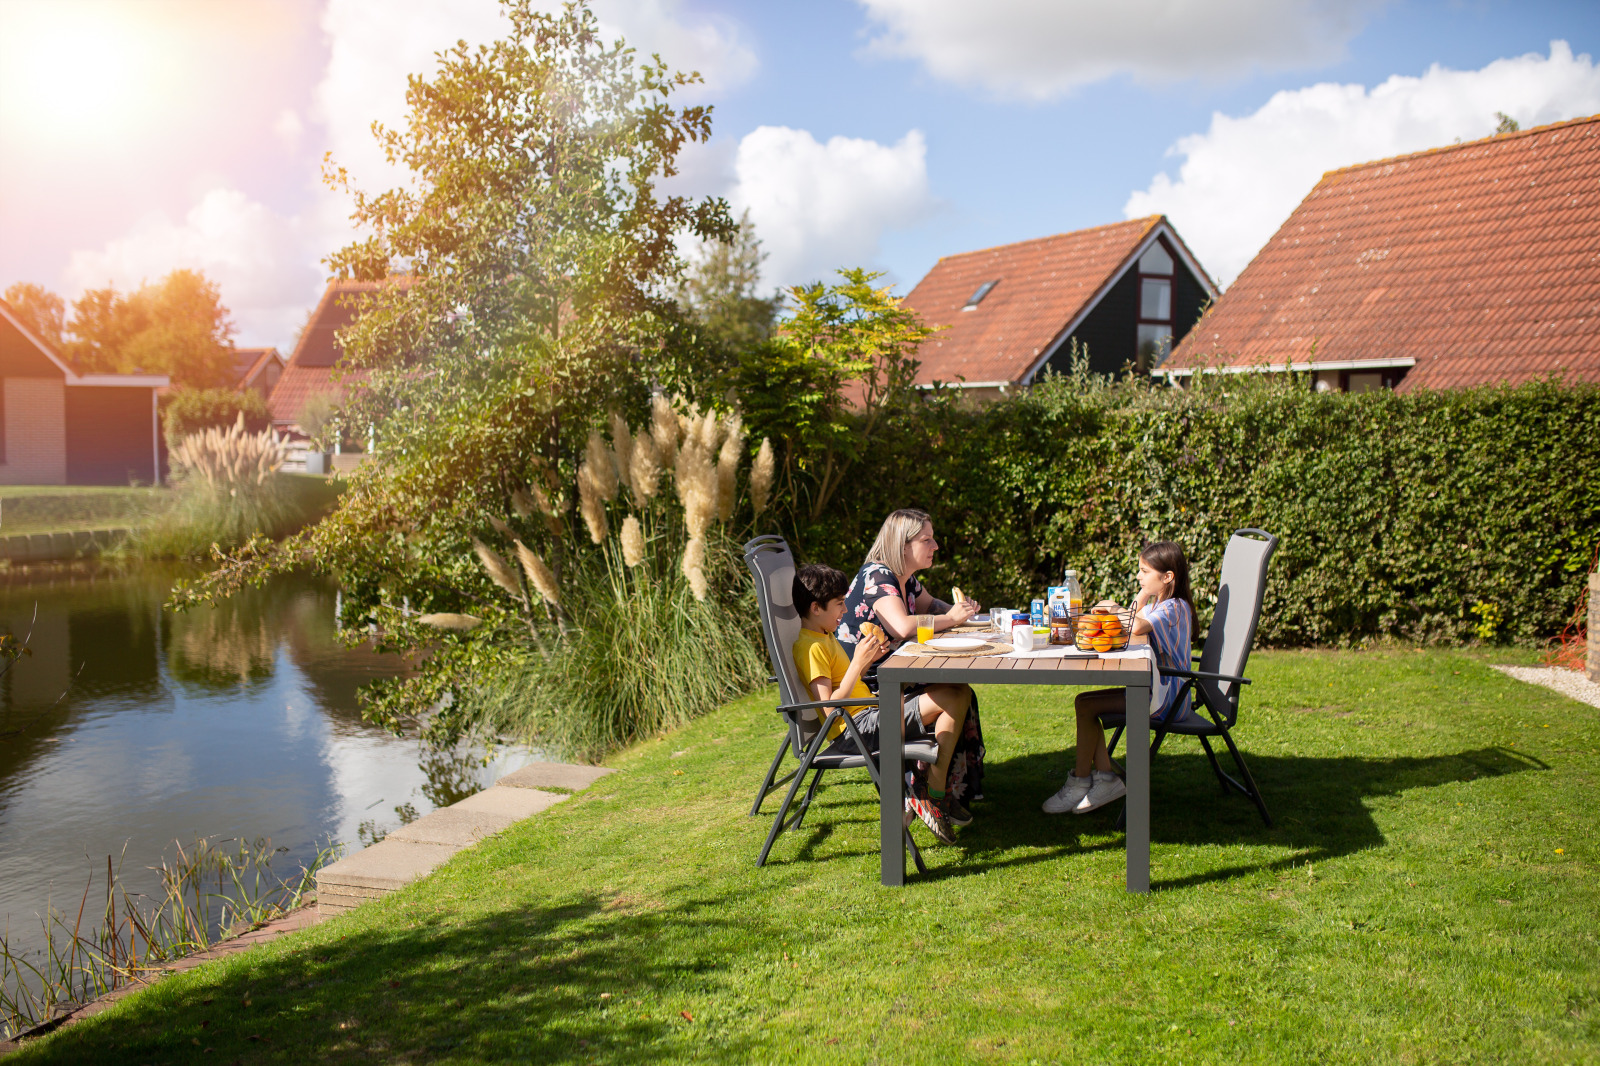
[(1155, 306), (977, 297)]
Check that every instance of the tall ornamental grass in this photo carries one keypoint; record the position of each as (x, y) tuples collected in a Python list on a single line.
[(634, 619), (229, 489)]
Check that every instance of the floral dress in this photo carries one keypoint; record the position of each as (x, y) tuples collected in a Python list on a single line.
[(872, 583)]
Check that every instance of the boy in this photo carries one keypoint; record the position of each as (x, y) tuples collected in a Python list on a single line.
[(829, 673)]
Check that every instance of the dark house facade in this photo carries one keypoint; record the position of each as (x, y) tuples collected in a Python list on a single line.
[(1122, 294), (58, 427)]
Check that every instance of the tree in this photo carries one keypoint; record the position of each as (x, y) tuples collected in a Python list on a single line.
[(826, 384), (721, 291), (521, 293), (41, 310), (1507, 124), (177, 327)]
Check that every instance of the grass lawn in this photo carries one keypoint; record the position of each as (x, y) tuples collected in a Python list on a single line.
[(1429, 894), (58, 508)]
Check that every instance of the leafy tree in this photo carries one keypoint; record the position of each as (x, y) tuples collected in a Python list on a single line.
[(177, 326), (1507, 124), (721, 292), (41, 310), (830, 383), (520, 294)]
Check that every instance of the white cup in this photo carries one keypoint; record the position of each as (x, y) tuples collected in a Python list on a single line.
[(1000, 618), (1022, 636)]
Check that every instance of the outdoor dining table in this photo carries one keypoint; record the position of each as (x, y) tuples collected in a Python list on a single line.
[(1037, 668)]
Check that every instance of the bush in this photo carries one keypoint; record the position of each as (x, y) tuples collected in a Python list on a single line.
[(186, 412), (1399, 513)]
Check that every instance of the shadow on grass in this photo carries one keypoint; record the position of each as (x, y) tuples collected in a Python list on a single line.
[(1319, 805), (514, 985)]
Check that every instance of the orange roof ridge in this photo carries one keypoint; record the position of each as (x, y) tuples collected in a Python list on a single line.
[(1150, 221), (1443, 148)]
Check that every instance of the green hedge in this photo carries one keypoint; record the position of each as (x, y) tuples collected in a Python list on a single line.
[(1398, 513)]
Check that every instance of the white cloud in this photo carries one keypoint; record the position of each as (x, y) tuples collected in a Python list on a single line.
[(1039, 49), (1242, 177), (259, 259), (289, 128), (819, 207)]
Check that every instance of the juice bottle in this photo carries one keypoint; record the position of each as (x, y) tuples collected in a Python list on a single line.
[(1074, 593)]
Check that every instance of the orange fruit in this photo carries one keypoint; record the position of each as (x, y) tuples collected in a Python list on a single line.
[(1111, 627), (1102, 643), (1089, 624)]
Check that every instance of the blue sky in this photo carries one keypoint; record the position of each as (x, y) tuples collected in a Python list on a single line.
[(879, 132)]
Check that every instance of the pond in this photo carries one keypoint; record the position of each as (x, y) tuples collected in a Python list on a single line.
[(129, 727)]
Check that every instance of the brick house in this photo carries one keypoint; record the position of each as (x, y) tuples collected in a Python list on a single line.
[(1465, 265), (1124, 292), (59, 427)]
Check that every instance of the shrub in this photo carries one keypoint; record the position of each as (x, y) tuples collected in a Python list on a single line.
[(1398, 512), (186, 412)]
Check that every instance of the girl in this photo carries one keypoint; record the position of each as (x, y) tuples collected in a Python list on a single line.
[(1164, 614)]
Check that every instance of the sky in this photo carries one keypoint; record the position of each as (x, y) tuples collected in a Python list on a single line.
[(140, 136)]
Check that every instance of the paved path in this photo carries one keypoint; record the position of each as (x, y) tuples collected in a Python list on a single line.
[(412, 851)]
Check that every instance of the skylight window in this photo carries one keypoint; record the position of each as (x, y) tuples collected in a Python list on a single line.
[(977, 297)]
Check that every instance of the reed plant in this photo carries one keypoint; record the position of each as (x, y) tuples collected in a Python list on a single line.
[(229, 489), (209, 890)]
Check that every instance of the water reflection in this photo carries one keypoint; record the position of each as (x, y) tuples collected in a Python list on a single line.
[(131, 726)]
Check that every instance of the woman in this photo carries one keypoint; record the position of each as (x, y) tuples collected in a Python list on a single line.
[(886, 591)]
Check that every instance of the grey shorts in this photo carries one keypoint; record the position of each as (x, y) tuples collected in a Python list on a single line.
[(870, 728)]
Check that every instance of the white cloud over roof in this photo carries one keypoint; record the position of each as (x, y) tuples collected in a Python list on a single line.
[(1243, 176)]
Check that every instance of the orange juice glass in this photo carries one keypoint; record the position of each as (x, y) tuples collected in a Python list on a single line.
[(924, 628)]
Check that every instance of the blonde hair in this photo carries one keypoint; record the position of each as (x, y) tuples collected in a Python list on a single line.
[(897, 531)]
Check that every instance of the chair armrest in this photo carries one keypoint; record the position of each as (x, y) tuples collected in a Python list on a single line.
[(859, 701), (1201, 675), (773, 680)]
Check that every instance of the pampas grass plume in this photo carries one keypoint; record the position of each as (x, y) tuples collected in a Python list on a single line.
[(590, 503), (644, 474), (446, 620), (664, 430), (500, 571), (539, 575), (622, 450), (523, 503), (762, 473), (632, 541), (728, 466), (694, 567), (501, 528), (602, 467)]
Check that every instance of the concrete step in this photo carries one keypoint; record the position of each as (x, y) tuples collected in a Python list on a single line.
[(414, 850)]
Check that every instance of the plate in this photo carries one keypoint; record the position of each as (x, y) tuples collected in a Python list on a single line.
[(955, 643)]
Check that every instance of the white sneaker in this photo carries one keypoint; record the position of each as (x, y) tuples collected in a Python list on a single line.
[(1106, 789), (1070, 795)]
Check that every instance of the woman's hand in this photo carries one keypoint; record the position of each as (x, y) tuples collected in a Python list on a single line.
[(961, 612)]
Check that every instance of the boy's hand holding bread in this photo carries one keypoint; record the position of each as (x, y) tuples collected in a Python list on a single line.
[(874, 641)]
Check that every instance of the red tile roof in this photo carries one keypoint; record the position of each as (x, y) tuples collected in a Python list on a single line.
[(311, 368), (1044, 285), (1478, 261), (248, 362)]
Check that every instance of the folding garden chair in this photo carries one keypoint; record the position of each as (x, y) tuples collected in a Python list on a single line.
[(1215, 685), (772, 566)]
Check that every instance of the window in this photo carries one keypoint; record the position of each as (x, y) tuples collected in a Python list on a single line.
[(1156, 273), (977, 297)]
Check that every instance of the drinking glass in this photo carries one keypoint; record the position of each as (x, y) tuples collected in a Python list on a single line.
[(924, 628)]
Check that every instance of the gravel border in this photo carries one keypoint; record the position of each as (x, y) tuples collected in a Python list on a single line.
[(1567, 682)]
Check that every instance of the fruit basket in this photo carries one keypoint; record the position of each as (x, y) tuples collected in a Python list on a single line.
[(1102, 629)]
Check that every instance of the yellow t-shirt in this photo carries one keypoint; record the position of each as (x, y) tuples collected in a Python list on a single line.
[(821, 655)]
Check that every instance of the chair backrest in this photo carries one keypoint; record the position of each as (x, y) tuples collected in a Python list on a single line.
[(1240, 590), (771, 564)]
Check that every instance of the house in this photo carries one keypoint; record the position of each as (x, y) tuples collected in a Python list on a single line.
[(258, 369), (59, 427), (1458, 266), (311, 369), (1123, 292)]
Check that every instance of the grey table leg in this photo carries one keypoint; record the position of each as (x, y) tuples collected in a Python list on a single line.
[(1137, 740), (891, 776)]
